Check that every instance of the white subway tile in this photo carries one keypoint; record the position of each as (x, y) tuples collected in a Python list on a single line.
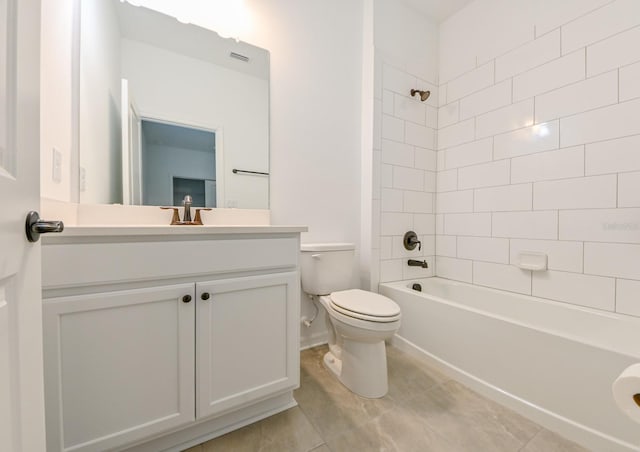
[(419, 135), (376, 219), (377, 77), (439, 224), (387, 102), (619, 50), (525, 225), (566, 256), (409, 109), (503, 199), (538, 138), (447, 181), (418, 202), (385, 247), (446, 245), (454, 202), (391, 200), (630, 82), (390, 270), (529, 55), (552, 75), (613, 156), (469, 154), (429, 181), (584, 290), (456, 269), (559, 164), (376, 177), (428, 244), (473, 224), (578, 97), (629, 189), (442, 95), (377, 124), (484, 175), (386, 176), (456, 134), (440, 159), (609, 259), (601, 225), (470, 82), (550, 14), (448, 114), (503, 277), (599, 24), (396, 153), (580, 193), (409, 273), (432, 117), (396, 80), (408, 178), (424, 224), (392, 128), (425, 159), (627, 299), (396, 223), (484, 249), (602, 124), (486, 100), (505, 119)]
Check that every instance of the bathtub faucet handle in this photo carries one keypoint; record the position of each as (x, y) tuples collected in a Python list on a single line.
[(411, 240), (415, 263)]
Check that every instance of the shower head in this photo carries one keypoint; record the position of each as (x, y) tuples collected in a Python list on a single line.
[(424, 95)]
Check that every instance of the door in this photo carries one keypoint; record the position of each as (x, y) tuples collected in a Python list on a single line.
[(131, 149), (21, 383), (246, 340), (119, 366)]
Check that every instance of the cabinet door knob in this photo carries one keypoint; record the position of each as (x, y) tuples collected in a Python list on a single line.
[(186, 299), (205, 296)]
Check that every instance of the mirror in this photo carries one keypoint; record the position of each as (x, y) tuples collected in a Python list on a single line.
[(168, 109)]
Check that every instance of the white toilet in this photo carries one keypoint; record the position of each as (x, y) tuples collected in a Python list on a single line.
[(358, 321)]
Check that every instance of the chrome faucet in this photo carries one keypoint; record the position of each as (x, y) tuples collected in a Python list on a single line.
[(187, 202), (415, 263)]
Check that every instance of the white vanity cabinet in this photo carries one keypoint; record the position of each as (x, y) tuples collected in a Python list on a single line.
[(157, 342)]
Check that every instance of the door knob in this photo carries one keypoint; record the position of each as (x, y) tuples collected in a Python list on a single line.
[(34, 226)]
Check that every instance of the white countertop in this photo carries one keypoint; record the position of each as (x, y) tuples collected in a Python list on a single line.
[(165, 230)]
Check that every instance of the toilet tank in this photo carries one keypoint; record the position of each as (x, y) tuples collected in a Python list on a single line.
[(326, 267)]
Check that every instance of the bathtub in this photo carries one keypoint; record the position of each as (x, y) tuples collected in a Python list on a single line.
[(551, 362)]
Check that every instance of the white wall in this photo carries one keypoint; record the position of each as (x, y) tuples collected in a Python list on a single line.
[(55, 101), (404, 156), (180, 89), (539, 149), (100, 124)]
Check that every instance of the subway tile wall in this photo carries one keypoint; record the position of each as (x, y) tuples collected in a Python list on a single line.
[(405, 165), (538, 149)]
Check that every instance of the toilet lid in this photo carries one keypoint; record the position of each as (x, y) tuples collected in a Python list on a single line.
[(365, 304)]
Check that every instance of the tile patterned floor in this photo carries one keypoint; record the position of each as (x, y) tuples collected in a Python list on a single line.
[(423, 411)]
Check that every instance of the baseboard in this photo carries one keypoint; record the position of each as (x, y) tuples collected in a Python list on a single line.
[(314, 340), (581, 434)]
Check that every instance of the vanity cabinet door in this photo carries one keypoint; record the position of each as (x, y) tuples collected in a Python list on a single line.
[(246, 340), (119, 366)]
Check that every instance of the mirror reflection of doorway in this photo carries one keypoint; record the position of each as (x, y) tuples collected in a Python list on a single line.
[(177, 161)]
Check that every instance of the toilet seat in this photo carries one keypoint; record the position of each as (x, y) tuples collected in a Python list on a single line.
[(363, 305)]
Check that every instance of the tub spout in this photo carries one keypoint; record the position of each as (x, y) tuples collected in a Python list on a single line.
[(415, 263)]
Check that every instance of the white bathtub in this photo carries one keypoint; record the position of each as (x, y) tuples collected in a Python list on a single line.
[(550, 361)]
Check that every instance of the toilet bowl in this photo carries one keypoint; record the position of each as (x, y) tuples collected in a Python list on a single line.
[(359, 321)]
